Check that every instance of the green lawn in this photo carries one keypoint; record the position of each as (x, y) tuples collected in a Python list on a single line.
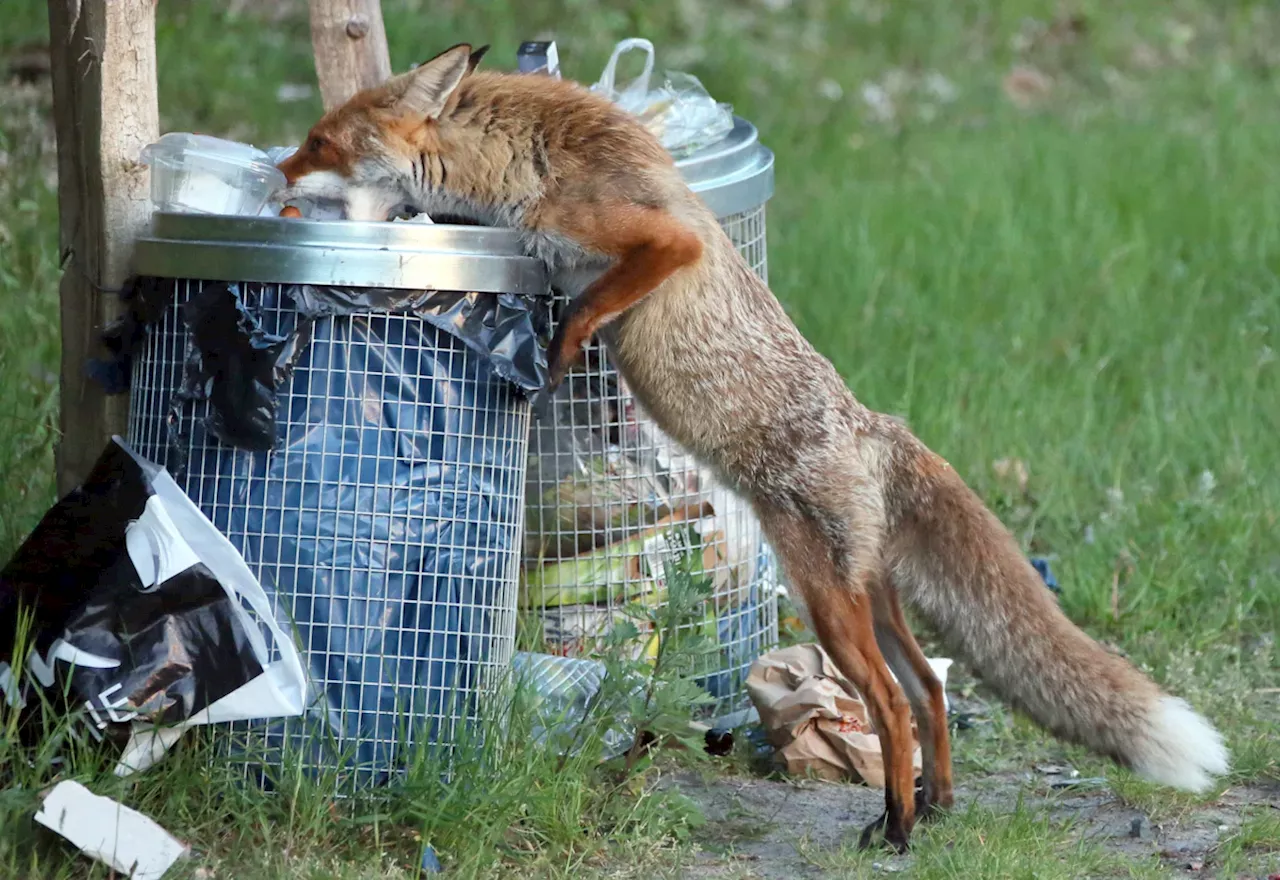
[(1087, 283)]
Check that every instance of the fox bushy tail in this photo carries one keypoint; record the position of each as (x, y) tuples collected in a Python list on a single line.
[(957, 564)]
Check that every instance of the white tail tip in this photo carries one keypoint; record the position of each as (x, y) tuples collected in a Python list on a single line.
[(1182, 749)]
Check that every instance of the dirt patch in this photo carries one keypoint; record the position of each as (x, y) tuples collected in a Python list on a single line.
[(759, 829)]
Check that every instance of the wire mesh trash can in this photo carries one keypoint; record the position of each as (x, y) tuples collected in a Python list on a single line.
[(610, 497), (385, 517)]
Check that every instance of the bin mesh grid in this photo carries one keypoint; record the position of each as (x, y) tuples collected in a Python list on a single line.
[(747, 232), (610, 497), (396, 569)]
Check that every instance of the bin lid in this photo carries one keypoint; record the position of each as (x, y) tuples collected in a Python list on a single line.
[(734, 175), (407, 256)]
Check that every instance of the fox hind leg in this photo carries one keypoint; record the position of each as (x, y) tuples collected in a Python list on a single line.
[(846, 630), (924, 692), (839, 597)]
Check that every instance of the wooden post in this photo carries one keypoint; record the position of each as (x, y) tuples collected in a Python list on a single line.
[(350, 45), (104, 91)]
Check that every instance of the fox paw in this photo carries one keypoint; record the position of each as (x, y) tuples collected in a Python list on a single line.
[(564, 355), (928, 809), (894, 838)]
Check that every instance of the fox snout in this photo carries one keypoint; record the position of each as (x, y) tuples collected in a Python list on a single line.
[(295, 167), (318, 185), (374, 201), (307, 171)]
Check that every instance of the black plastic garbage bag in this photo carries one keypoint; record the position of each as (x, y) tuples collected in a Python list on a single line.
[(125, 607)]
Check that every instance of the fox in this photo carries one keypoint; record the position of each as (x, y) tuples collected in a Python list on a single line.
[(863, 515)]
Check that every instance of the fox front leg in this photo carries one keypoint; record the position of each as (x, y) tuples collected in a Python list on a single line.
[(568, 344), (648, 246)]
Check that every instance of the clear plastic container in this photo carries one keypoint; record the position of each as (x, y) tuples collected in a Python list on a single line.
[(199, 174)]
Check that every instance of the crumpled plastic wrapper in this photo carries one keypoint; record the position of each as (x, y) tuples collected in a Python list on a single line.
[(679, 111), (815, 718), (564, 691)]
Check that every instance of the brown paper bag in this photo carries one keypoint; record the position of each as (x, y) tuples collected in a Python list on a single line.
[(815, 718)]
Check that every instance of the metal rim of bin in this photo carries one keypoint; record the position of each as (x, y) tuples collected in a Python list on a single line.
[(733, 176), (409, 256), (735, 179), (192, 250)]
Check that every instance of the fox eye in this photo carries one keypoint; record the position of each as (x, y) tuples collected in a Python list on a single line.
[(316, 143)]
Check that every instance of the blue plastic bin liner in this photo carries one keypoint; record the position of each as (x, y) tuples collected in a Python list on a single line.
[(386, 518), (237, 365)]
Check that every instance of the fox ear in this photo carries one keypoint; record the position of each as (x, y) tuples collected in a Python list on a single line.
[(474, 61), (425, 90)]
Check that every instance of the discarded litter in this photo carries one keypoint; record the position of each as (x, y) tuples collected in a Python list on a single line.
[(1081, 782), (276, 155), (1055, 770), (610, 505), (109, 832), (1061, 777), (762, 749), (535, 56), (679, 111), (430, 861), (564, 689), (815, 718), (1041, 566), (196, 173), (718, 742), (145, 620)]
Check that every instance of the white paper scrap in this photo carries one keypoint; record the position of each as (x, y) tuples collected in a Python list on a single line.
[(110, 832)]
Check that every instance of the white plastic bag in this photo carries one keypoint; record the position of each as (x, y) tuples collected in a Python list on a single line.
[(679, 111), (171, 536), (144, 618)]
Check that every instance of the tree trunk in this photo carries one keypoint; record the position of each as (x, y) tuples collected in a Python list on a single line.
[(104, 90), (350, 45)]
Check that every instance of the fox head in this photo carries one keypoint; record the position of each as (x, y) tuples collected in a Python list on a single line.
[(381, 152)]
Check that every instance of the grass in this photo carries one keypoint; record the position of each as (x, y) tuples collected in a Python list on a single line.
[(515, 809), (1087, 284), (1256, 844), (981, 842)]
